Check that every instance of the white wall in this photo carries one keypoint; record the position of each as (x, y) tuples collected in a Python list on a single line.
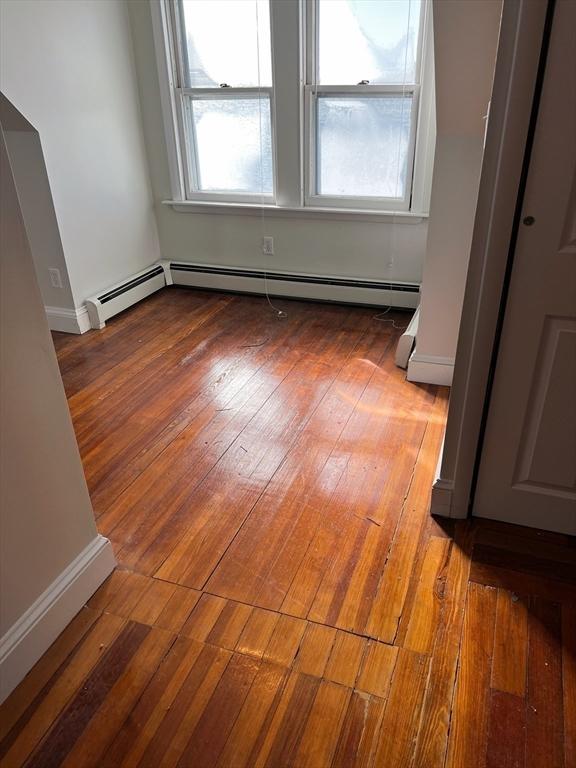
[(367, 249), (519, 46), (465, 39), (25, 149), (361, 249), (46, 518), (68, 67)]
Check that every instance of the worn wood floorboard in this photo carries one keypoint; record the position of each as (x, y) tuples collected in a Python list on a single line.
[(283, 597)]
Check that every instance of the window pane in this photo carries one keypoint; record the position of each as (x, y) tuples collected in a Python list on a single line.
[(228, 41), (362, 145), (234, 144), (379, 38)]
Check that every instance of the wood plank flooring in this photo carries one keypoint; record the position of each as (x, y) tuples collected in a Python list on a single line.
[(283, 597)]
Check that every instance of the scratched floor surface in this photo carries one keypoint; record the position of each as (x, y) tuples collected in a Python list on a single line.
[(283, 597)]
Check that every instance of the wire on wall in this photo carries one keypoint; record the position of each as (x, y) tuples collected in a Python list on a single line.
[(280, 313), (393, 248)]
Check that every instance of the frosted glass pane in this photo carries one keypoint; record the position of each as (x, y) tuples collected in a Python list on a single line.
[(362, 145), (233, 142), (228, 41), (373, 40)]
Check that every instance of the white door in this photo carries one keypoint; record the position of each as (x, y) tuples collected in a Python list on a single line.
[(527, 471)]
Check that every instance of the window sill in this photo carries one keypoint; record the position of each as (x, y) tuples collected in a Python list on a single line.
[(284, 212)]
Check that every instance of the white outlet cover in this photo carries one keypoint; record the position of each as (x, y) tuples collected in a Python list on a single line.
[(55, 278), (268, 246)]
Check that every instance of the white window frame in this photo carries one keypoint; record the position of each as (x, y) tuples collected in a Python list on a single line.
[(293, 31), (313, 90), (183, 98)]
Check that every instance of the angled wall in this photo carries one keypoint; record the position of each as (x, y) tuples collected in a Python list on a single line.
[(67, 66), (33, 189), (465, 42), (51, 556)]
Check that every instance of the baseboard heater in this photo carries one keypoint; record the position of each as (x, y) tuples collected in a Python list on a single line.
[(407, 340), (123, 295), (297, 285)]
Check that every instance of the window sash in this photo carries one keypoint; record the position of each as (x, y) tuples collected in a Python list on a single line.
[(312, 198), (191, 155), (312, 42)]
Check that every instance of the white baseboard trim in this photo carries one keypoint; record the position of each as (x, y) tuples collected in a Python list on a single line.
[(68, 320), (296, 285), (429, 369), (47, 617), (442, 491), (441, 501)]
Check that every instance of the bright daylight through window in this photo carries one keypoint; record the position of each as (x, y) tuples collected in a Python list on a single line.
[(226, 65), (362, 102), (358, 66)]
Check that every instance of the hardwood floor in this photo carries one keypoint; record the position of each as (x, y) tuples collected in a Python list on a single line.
[(283, 596)]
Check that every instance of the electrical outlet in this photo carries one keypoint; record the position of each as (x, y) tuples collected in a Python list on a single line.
[(55, 278), (268, 246)]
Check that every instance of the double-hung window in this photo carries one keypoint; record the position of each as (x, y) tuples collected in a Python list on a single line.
[(361, 102), (223, 69), (310, 104)]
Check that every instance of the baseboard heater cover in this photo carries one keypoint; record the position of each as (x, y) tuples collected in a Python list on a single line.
[(297, 285), (123, 295), (407, 340)]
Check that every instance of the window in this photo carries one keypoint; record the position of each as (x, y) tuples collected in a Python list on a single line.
[(259, 112), (362, 106), (224, 68)]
